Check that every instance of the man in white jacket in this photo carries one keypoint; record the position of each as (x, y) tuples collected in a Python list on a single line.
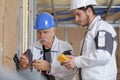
[(97, 60), (40, 60)]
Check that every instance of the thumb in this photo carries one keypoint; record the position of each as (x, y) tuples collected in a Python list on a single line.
[(69, 56)]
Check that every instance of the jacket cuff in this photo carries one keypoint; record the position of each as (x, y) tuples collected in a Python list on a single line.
[(77, 62)]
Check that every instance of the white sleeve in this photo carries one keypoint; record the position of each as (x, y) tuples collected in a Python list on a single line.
[(61, 72), (100, 57), (102, 53)]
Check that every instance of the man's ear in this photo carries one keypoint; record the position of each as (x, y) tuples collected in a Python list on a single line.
[(54, 30), (88, 11)]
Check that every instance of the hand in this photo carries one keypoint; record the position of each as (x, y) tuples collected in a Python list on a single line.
[(41, 65), (70, 63), (24, 61)]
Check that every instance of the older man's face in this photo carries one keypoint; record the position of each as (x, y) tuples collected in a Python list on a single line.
[(46, 36)]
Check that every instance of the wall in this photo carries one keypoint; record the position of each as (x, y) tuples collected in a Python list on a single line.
[(8, 31), (75, 34), (118, 52)]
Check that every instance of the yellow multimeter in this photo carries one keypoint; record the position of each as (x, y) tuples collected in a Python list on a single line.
[(62, 58)]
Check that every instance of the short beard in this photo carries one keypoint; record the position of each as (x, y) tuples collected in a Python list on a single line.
[(87, 20)]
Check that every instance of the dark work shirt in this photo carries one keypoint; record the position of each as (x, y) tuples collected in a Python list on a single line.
[(47, 57)]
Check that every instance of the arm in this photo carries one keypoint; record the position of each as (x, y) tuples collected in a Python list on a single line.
[(95, 59), (25, 60), (41, 65), (102, 54), (24, 63), (59, 70)]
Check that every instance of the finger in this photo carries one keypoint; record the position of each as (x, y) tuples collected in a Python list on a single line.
[(37, 66), (23, 57), (34, 61), (37, 63), (23, 60), (33, 64), (68, 67), (69, 56), (67, 64)]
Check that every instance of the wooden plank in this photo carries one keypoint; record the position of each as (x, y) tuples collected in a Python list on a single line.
[(1, 28), (10, 31), (118, 53), (25, 25)]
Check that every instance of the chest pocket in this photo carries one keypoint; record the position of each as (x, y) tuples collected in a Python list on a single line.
[(89, 45)]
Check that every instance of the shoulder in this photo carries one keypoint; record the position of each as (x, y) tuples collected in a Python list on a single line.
[(65, 43), (35, 45), (105, 26)]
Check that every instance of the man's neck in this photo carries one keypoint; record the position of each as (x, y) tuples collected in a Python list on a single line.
[(46, 49), (49, 45), (92, 18)]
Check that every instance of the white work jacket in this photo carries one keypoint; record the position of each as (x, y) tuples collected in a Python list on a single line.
[(57, 70), (98, 61)]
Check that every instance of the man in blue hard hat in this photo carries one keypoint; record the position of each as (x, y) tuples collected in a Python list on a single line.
[(40, 59)]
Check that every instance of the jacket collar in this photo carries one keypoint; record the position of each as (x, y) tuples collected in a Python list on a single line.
[(97, 18), (55, 46)]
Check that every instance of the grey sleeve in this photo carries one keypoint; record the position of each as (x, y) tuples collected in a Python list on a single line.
[(104, 41)]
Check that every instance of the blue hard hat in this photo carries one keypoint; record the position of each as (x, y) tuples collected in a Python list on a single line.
[(44, 21)]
